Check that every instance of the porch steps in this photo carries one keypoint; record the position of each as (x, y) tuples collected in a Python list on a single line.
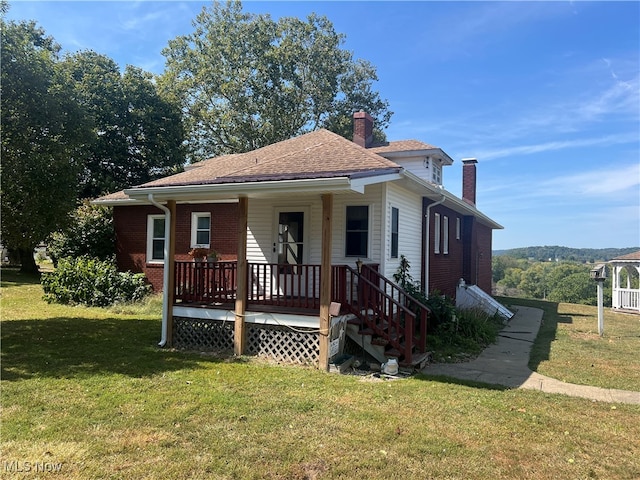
[(375, 347), (376, 351)]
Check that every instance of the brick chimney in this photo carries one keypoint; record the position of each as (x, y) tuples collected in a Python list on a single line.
[(469, 180), (362, 129)]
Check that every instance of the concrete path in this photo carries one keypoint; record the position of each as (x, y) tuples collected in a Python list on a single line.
[(506, 363)]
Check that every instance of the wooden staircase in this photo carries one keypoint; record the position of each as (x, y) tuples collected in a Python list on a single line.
[(386, 321)]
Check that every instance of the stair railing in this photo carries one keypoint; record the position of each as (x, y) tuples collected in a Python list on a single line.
[(387, 310)]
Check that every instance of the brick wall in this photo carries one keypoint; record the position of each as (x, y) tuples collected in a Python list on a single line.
[(445, 269), (469, 256), (131, 235)]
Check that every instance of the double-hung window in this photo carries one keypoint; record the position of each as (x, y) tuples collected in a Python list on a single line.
[(436, 233), (445, 235), (357, 231), (155, 238), (201, 229), (395, 224)]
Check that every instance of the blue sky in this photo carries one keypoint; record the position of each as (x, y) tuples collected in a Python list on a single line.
[(546, 95)]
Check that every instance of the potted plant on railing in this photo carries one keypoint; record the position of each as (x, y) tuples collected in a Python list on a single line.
[(198, 253), (212, 256)]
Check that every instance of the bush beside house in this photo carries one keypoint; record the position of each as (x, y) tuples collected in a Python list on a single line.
[(92, 282)]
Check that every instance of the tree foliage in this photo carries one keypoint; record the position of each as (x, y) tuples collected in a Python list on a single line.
[(137, 134), (245, 81), (90, 233), (568, 282), (42, 134), (557, 253)]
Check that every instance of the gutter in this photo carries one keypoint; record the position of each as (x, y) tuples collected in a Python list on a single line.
[(165, 271), (428, 242)]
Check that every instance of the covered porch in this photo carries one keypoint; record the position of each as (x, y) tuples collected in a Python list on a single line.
[(283, 302)]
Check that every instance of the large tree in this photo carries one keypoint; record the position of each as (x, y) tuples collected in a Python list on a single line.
[(137, 135), (42, 132), (245, 81)]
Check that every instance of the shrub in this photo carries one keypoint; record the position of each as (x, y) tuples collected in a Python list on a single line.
[(92, 282), (450, 331)]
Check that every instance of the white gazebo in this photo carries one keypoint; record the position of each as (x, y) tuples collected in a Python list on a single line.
[(625, 282)]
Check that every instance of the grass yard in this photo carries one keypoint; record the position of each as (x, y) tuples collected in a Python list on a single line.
[(86, 392), (569, 348)]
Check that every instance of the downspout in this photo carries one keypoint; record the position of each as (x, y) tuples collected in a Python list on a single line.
[(428, 245), (165, 271)]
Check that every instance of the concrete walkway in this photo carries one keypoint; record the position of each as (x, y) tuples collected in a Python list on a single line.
[(506, 363)]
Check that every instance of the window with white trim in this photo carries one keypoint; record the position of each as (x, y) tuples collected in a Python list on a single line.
[(458, 229), (155, 239), (437, 173), (357, 231), (395, 224), (436, 233), (445, 235), (201, 229)]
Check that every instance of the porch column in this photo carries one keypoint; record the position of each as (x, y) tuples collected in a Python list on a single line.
[(239, 333), (171, 265), (325, 281)]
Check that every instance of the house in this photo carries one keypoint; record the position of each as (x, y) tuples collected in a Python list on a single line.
[(310, 231), (625, 282)]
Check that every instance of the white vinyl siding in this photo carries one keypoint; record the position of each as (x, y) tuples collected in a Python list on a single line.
[(409, 205)]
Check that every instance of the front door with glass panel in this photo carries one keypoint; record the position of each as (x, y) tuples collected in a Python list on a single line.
[(289, 251)]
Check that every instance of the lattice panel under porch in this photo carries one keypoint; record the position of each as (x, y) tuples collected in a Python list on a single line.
[(283, 344), (202, 335)]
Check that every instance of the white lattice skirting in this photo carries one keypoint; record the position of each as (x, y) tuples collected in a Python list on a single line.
[(276, 342)]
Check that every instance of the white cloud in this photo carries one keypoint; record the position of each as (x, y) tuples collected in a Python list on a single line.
[(596, 183), (521, 150)]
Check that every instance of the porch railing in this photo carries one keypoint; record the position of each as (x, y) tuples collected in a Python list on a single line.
[(626, 298), (205, 282), (383, 307)]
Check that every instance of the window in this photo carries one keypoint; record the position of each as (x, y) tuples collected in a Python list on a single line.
[(395, 216), (357, 234), (155, 238), (437, 173), (458, 230), (445, 235), (436, 233), (200, 229)]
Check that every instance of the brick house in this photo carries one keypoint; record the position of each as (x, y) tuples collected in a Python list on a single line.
[(280, 215)]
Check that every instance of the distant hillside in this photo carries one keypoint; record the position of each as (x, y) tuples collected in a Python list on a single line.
[(546, 253)]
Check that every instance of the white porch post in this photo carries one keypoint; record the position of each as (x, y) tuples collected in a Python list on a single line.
[(600, 282)]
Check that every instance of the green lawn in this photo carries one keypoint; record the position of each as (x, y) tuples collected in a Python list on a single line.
[(569, 348), (88, 390)]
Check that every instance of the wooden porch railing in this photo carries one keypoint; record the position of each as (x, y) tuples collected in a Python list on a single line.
[(383, 307), (205, 283)]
